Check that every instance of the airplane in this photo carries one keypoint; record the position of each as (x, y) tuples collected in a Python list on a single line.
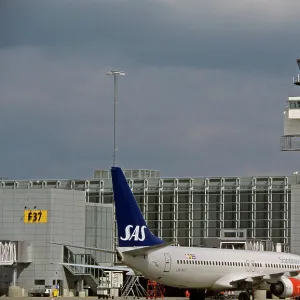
[(200, 270)]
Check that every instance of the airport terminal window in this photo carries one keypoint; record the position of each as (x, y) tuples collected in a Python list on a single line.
[(39, 282), (294, 104)]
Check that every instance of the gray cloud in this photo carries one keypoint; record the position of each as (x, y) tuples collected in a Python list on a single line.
[(161, 33), (203, 95)]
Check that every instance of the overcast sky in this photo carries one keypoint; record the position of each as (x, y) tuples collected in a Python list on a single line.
[(204, 93)]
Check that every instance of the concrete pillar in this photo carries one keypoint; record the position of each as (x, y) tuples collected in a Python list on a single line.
[(14, 277), (81, 289), (81, 284), (14, 291)]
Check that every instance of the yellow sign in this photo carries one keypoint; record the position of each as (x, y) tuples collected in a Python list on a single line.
[(35, 216)]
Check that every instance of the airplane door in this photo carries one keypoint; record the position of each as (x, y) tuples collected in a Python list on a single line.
[(167, 262)]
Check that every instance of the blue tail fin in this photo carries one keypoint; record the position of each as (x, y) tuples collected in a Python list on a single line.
[(132, 228)]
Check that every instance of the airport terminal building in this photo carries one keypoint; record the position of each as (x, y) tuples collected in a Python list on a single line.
[(191, 211)]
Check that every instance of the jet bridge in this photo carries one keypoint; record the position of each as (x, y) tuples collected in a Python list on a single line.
[(8, 253)]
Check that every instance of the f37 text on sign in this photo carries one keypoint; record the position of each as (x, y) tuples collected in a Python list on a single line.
[(35, 216)]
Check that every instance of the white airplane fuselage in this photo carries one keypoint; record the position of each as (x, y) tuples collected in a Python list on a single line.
[(186, 267)]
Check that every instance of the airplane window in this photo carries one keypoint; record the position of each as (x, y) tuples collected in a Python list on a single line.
[(201, 262), (177, 261), (210, 262)]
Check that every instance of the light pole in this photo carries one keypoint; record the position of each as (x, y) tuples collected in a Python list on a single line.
[(115, 73)]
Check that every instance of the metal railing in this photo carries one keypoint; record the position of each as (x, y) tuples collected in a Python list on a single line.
[(290, 143), (83, 259)]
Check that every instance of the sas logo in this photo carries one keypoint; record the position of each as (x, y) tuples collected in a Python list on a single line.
[(138, 233)]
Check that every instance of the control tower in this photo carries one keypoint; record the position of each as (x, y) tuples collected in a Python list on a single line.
[(290, 141)]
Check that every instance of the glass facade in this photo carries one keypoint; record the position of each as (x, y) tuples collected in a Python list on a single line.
[(189, 210)]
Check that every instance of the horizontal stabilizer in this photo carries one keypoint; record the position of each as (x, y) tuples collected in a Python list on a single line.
[(146, 250), (87, 248)]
